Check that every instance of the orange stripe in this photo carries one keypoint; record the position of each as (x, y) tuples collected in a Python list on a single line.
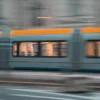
[(41, 32), (90, 30)]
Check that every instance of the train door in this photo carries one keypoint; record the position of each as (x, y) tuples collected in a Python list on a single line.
[(4, 54), (76, 41)]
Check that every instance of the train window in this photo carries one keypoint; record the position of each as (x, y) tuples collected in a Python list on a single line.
[(63, 49), (90, 51), (93, 49), (98, 48), (28, 49), (47, 49), (53, 49), (56, 49), (40, 49), (14, 49)]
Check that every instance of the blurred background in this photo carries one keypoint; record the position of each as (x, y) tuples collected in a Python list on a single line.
[(29, 14), (22, 14)]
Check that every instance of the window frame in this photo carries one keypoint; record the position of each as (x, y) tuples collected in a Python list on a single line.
[(96, 52), (17, 49), (39, 49)]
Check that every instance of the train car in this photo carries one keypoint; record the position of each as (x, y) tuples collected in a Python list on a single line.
[(90, 49), (52, 49), (41, 49)]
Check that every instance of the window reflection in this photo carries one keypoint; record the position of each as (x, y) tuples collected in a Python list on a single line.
[(63, 48), (15, 49), (98, 48), (56, 49), (28, 49), (90, 49), (53, 48), (47, 49), (93, 49)]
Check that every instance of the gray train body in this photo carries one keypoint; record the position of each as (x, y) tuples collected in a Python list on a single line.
[(75, 61)]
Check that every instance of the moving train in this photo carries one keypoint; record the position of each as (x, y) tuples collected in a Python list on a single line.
[(52, 49)]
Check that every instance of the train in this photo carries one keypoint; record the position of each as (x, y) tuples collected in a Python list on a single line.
[(51, 49)]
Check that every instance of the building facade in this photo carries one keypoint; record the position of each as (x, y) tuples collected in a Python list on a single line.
[(22, 14)]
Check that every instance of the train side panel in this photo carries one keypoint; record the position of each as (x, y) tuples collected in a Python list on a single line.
[(90, 52), (5, 48), (43, 63)]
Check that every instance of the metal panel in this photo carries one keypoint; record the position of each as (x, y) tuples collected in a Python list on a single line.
[(4, 57), (76, 50)]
